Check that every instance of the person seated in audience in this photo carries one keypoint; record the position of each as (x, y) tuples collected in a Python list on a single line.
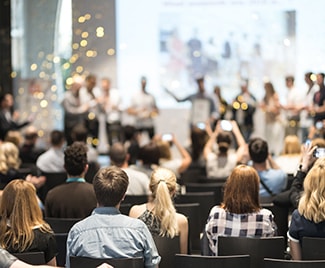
[(132, 143), (159, 214), (220, 163), (10, 166), (309, 219), (107, 233), (22, 228), (138, 181), (290, 157), (167, 160), (15, 137), (240, 213), (273, 180), (52, 160), (76, 198)]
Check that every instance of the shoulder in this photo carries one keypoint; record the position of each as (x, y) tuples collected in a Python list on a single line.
[(137, 210)]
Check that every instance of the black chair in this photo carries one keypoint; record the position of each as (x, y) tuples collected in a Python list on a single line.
[(257, 248), (216, 187), (135, 199), (313, 248), (167, 248), (61, 225), (52, 180), (125, 208), (93, 167), (33, 258), (192, 212), (275, 263), (61, 242), (205, 199), (194, 261), (85, 262)]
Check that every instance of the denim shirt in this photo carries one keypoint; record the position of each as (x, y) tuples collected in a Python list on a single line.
[(109, 234)]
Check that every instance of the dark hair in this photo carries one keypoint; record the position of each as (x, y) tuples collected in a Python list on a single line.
[(223, 141), (290, 78), (79, 133), (258, 150), (75, 158), (57, 137), (199, 138), (149, 154), (117, 154), (110, 185)]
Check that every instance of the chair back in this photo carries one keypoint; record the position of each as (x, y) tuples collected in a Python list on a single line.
[(61, 225), (192, 212), (93, 167), (33, 258), (125, 208), (135, 199), (205, 199), (257, 248), (61, 242), (194, 261), (216, 187), (313, 248), (275, 263), (85, 262), (167, 248)]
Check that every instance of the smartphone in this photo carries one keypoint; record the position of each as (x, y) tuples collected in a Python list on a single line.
[(226, 125), (319, 152), (319, 125), (167, 137), (201, 125)]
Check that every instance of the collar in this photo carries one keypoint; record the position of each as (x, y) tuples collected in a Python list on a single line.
[(106, 211), (75, 180)]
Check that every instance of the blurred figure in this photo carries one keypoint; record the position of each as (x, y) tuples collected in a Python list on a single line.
[(318, 110), (220, 103), (144, 108), (159, 214), (22, 228), (242, 215), (132, 143)]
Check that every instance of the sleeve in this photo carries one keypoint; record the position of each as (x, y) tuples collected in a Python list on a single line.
[(51, 250), (296, 188), (295, 226), (6, 259), (150, 252)]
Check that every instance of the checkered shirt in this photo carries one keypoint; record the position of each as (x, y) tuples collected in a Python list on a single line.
[(223, 223)]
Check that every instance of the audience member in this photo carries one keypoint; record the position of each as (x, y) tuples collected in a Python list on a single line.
[(8, 117), (273, 180), (144, 108), (309, 219), (138, 181), (107, 233), (132, 143), (221, 163), (159, 213), (22, 228), (53, 159), (14, 136), (167, 160), (76, 198), (240, 213)]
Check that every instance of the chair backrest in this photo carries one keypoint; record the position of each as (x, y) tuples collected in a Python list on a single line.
[(135, 199), (93, 167), (194, 261), (257, 248), (313, 248), (61, 242), (216, 187), (167, 248), (52, 179), (61, 225), (275, 263), (33, 258), (192, 212), (85, 262), (125, 208), (205, 199)]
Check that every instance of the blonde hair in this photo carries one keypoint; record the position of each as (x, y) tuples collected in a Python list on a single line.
[(163, 186), (20, 209), (312, 202), (292, 145), (9, 157)]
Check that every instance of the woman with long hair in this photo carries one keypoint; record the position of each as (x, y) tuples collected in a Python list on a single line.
[(159, 213), (240, 213), (22, 228), (309, 218)]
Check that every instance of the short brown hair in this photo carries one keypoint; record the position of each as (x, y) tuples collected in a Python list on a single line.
[(110, 185), (241, 193)]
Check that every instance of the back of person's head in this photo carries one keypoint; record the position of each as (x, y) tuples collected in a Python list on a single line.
[(79, 133), (149, 154), (20, 209), (311, 204), (223, 141), (199, 138), (241, 193), (164, 150), (118, 154), (130, 132), (292, 145), (258, 150), (30, 134), (163, 187), (75, 158), (9, 157), (110, 185), (15, 137), (57, 138), (290, 78)]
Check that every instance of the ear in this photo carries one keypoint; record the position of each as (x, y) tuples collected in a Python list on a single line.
[(86, 168)]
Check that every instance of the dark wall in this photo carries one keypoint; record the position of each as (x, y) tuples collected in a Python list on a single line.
[(5, 47)]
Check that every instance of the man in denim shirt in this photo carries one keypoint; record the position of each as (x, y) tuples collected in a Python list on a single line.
[(107, 233)]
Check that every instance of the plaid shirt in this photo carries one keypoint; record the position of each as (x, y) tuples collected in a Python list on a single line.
[(223, 223)]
